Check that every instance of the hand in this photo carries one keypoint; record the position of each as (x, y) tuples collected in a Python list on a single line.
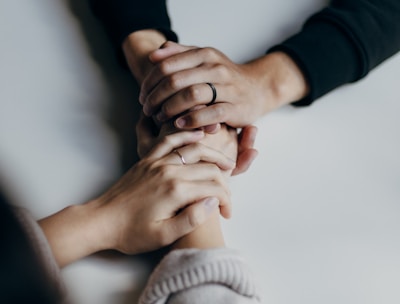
[(148, 135), (245, 92), (159, 200), (156, 202)]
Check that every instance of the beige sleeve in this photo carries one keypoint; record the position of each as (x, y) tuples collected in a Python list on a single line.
[(201, 276)]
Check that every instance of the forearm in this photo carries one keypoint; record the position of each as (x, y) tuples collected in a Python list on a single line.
[(73, 233), (137, 47), (207, 236), (352, 49)]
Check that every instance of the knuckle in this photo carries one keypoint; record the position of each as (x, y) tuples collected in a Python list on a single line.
[(168, 44), (210, 53), (222, 71), (168, 108), (163, 172), (192, 93), (166, 141), (152, 166), (220, 113), (174, 82), (164, 67), (174, 188)]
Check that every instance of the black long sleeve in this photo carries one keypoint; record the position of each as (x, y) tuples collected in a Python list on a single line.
[(122, 17), (337, 45), (343, 42)]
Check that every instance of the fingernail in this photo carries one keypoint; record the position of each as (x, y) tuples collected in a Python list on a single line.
[(210, 128), (180, 122), (210, 204), (198, 134)]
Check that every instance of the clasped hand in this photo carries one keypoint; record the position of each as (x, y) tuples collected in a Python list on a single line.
[(160, 199), (156, 202)]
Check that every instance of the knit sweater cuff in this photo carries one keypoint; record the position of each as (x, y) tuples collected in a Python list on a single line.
[(184, 269), (326, 55)]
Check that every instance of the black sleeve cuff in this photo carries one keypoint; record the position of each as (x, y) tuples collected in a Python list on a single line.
[(326, 56)]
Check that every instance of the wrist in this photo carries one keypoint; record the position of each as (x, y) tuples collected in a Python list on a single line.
[(73, 233), (207, 236), (281, 78), (137, 47)]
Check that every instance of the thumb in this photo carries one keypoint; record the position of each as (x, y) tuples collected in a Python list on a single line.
[(244, 160), (192, 216)]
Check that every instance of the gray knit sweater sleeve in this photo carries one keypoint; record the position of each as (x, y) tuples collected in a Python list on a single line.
[(201, 276), (43, 251)]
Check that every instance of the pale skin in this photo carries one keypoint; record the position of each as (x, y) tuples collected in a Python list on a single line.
[(120, 219), (209, 234), (175, 77), (131, 217), (156, 202), (138, 47), (246, 91)]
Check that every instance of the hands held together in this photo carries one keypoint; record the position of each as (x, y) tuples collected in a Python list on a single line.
[(179, 181), (245, 92), (156, 202)]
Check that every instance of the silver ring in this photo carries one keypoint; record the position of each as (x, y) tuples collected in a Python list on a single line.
[(214, 92), (180, 156)]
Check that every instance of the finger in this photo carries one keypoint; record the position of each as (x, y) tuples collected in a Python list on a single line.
[(168, 66), (212, 129), (244, 160), (172, 83), (200, 172), (216, 113), (246, 153), (174, 141), (182, 61), (186, 191), (191, 217), (194, 153), (247, 137), (186, 99), (226, 211), (168, 49)]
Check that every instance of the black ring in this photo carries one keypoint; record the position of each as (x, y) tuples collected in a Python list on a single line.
[(214, 91)]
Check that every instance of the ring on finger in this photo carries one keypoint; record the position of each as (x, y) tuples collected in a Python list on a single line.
[(214, 92), (180, 156)]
